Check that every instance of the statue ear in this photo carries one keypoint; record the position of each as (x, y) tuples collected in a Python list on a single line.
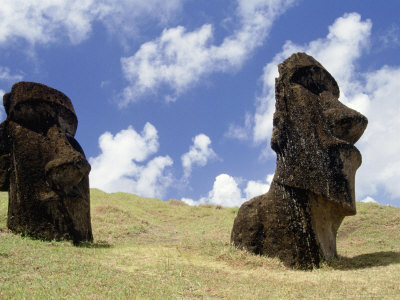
[(316, 80), (4, 159), (6, 102), (279, 135), (4, 172)]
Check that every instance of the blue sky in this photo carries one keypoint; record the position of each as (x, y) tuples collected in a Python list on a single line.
[(175, 98)]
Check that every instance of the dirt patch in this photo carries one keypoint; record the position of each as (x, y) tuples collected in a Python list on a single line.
[(4, 231), (176, 202)]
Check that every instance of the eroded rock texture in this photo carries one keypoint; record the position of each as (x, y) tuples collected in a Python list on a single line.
[(313, 187), (42, 166)]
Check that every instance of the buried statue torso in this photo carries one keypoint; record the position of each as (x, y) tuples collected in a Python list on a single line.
[(313, 186), (43, 167)]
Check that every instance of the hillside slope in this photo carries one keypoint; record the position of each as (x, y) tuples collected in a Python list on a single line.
[(153, 249)]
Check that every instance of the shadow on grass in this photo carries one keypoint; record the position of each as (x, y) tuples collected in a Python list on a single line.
[(97, 244), (369, 260)]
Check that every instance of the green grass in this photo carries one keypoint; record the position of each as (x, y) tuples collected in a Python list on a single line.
[(146, 248)]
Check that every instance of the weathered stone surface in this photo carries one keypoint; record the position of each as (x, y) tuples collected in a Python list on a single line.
[(42, 166), (313, 186)]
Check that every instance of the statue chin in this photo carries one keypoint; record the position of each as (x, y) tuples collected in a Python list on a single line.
[(343, 195)]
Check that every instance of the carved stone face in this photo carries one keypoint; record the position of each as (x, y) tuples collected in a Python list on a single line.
[(314, 133), (47, 177)]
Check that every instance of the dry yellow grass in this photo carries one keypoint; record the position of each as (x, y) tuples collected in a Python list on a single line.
[(146, 248)]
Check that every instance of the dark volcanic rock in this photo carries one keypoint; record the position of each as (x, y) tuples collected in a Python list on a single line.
[(313, 187), (42, 166)]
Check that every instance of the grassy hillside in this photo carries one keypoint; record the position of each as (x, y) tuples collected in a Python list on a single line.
[(147, 248)]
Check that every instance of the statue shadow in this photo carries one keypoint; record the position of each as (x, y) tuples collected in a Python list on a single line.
[(363, 261), (97, 244)]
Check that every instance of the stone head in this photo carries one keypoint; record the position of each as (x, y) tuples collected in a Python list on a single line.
[(314, 133), (42, 165)]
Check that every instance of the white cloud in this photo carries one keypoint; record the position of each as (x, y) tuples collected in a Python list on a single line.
[(380, 144), (49, 20), (199, 154), (226, 191), (242, 133), (256, 188), (179, 59), (152, 181), (6, 75), (121, 164), (191, 202), (125, 17), (43, 21), (368, 200), (391, 38)]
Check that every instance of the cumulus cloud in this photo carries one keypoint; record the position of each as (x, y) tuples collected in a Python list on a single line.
[(242, 133), (5, 74), (199, 154), (48, 21), (125, 17), (369, 200), (180, 58), (42, 21), (226, 191), (256, 188), (121, 165), (380, 145)]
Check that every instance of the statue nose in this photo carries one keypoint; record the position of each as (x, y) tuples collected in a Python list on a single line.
[(346, 123), (65, 175)]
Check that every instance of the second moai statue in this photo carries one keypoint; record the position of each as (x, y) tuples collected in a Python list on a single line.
[(313, 187), (42, 166)]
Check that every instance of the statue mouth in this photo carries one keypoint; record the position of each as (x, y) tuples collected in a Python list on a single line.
[(349, 155), (65, 177), (356, 155)]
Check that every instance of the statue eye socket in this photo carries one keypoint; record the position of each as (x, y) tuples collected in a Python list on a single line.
[(316, 80), (33, 117), (41, 116)]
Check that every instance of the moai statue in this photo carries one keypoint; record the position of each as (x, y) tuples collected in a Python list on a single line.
[(313, 187), (42, 166)]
